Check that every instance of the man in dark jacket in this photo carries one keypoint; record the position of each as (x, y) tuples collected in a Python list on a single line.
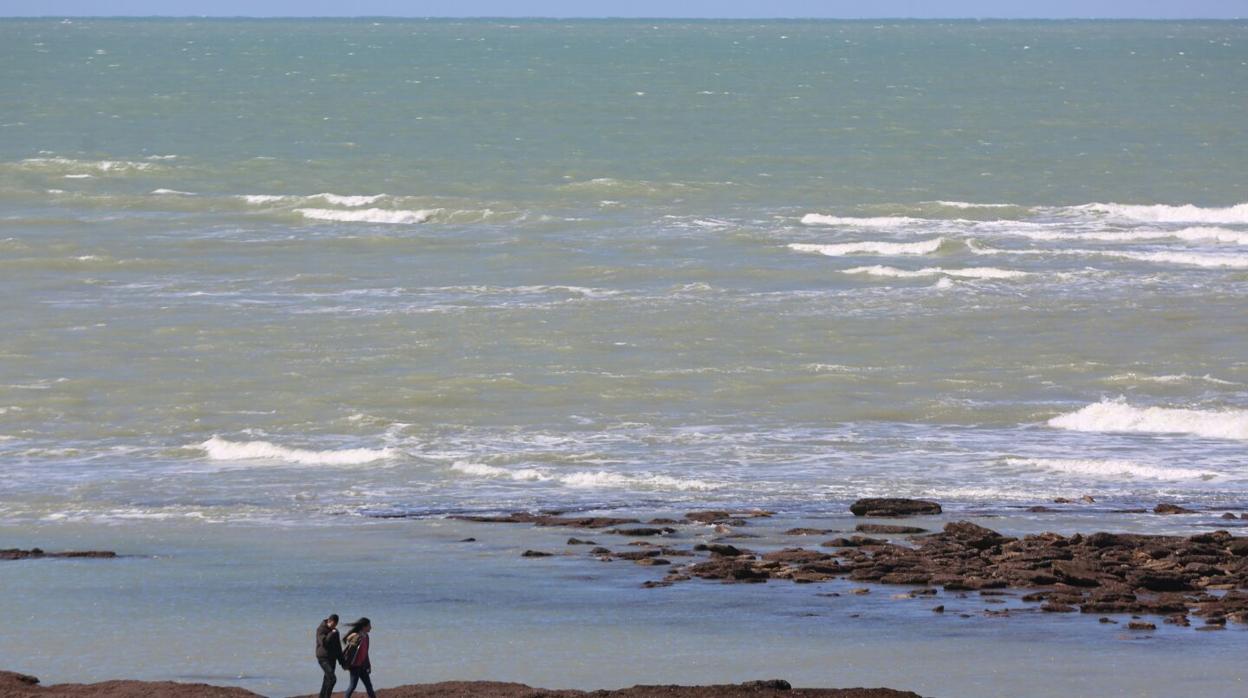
[(328, 652)]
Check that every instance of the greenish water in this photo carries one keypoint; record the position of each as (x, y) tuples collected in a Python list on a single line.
[(303, 273)]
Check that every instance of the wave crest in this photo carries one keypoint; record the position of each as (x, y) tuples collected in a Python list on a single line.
[(218, 448), (965, 273), (1111, 468), (864, 222), (1161, 213), (871, 248), (584, 479), (1118, 416), (368, 215)]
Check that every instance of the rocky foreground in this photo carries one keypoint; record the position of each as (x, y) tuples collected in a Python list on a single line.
[(1173, 577), (22, 686)]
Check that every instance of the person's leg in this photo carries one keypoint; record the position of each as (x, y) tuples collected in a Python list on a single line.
[(330, 678), (368, 684), (355, 676)]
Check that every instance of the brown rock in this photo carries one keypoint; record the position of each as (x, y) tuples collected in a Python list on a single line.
[(642, 532), (729, 569), (653, 561), (796, 555), (721, 549), (974, 535), (1167, 508), (892, 507), (638, 555)]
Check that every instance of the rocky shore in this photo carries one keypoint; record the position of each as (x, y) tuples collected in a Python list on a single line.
[(1175, 578), (13, 685)]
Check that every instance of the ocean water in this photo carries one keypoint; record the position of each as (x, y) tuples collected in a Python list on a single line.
[(262, 282)]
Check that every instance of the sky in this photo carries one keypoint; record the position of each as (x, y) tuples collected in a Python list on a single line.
[(849, 9)]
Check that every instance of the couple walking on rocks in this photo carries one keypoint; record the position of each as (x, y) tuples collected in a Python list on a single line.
[(351, 652)]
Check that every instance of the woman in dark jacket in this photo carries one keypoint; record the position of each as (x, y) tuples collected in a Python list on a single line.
[(328, 652), (355, 657)]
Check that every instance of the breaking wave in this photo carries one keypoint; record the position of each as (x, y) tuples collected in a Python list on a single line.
[(218, 448), (970, 205), (872, 222), (1111, 468), (966, 273), (1209, 260), (349, 200), (1198, 234), (1118, 416), (368, 215), (871, 248), (1173, 378), (584, 479), (264, 198), (1161, 213)]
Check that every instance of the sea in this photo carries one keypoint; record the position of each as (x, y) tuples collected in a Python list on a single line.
[(279, 297)]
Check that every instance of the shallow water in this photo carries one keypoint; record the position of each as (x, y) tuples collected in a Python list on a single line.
[(234, 607), (301, 273)]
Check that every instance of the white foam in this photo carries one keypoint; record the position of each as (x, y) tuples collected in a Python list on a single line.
[(603, 478), (340, 200), (583, 479), (218, 448), (368, 215), (1209, 260), (482, 470), (965, 273), (869, 222), (1160, 213), (78, 176), (967, 204), (1197, 234), (263, 198), (1179, 378), (1112, 468), (99, 165), (1118, 416), (871, 248), (173, 191)]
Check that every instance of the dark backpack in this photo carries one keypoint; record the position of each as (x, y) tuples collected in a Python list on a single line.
[(351, 649)]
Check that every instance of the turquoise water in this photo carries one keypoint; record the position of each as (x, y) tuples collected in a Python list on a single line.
[(299, 274)]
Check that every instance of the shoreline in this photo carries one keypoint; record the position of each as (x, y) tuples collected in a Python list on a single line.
[(16, 685), (807, 596)]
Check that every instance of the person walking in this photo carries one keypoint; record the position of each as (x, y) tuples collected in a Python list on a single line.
[(355, 657), (328, 653)]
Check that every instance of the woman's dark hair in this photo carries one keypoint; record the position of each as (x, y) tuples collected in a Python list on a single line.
[(333, 617), (359, 625)]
